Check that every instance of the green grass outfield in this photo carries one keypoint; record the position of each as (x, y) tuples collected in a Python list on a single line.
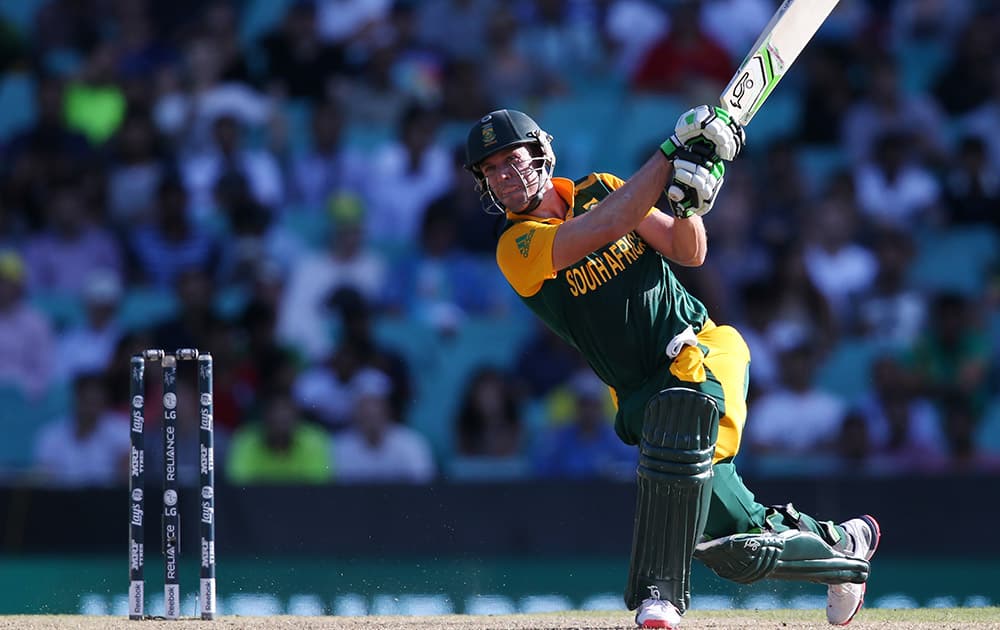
[(876, 619)]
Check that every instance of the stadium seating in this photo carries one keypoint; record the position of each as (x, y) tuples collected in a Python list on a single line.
[(441, 363), (143, 307), (988, 432), (637, 128), (845, 372), (21, 418), (584, 131), (17, 102), (259, 16), (956, 259)]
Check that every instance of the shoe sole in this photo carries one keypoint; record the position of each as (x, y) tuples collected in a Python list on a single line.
[(868, 556), (658, 623)]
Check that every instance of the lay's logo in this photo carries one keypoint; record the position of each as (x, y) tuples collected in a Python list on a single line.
[(489, 135)]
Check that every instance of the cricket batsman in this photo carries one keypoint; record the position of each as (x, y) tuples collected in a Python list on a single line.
[(592, 258)]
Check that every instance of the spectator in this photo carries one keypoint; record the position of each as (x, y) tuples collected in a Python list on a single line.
[(961, 85), (260, 364), (930, 22), (511, 69), (89, 448), (418, 70), (73, 245), (630, 29), (972, 186), (189, 99), (330, 168), (984, 118), (140, 50), (891, 311), (49, 136), (903, 428), (960, 420), (440, 285), (738, 255), (460, 204), (558, 38), (372, 100), (298, 62), (48, 151), (406, 176), (853, 444), (221, 27), (227, 156), (759, 301), (489, 418), (839, 266), (376, 448), (464, 89), (796, 419), (171, 243), (800, 310), (281, 448), (884, 107), (253, 237), (544, 361), (195, 319), (303, 318), (27, 344), (686, 60), (350, 22), (324, 388), (825, 69), (893, 189), (138, 162), (952, 355), (90, 346), (736, 24), (456, 27), (357, 331), (587, 446), (95, 104)]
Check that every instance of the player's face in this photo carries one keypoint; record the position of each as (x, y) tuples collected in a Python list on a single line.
[(512, 176)]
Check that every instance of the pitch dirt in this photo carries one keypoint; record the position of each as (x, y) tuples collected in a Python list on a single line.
[(878, 619)]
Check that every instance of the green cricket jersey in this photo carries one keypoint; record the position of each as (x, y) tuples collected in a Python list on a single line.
[(619, 306)]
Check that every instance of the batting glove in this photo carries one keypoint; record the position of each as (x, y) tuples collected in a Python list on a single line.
[(713, 126), (695, 184)]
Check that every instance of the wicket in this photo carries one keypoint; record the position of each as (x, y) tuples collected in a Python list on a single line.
[(171, 509)]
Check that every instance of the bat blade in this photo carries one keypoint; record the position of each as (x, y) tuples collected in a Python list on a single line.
[(784, 37)]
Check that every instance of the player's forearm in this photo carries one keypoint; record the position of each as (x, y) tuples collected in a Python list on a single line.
[(625, 208), (690, 243), (681, 240), (615, 216)]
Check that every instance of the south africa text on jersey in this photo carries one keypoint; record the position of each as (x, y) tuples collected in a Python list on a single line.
[(594, 270)]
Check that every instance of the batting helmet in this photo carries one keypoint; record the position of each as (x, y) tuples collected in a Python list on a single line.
[(503, 129)]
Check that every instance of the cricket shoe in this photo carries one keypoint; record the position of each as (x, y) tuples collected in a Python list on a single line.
[(657, 613), (843, 601)]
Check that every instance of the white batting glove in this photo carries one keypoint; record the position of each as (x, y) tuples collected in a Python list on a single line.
[(711, 125), (695, 184)]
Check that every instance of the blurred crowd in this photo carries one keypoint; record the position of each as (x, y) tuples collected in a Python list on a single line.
[(280, 182)]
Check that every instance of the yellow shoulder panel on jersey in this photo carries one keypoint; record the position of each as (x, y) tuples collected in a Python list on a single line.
[(524, 255), (613, 182)]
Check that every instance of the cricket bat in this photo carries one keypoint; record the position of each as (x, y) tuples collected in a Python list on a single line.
[(784, 37)]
